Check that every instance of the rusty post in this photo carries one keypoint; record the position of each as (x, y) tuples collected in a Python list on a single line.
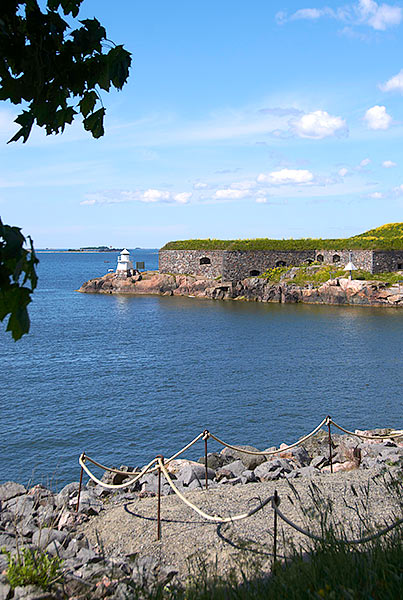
[(205, 456), (276, 503), (79, 489), (159, 499), (330, 445)]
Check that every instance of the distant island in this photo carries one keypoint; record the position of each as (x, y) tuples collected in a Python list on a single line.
[(95, 249)]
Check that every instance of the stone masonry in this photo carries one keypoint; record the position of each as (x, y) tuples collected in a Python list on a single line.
[(208, 263), (362, 259), (240, 264), (234, 265)]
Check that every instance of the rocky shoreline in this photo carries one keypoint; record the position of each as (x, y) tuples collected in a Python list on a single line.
[(109, 545), (339, 291)]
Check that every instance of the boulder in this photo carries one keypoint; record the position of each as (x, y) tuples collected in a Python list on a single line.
[(43, 537), (10, 489), (263, 471), (194, 471), (89, 503), (319, 461), (232, 481), (250, 461), (69, 491), (7, 540), (214, 460), (21, 507), (297, 455), (348, 465), (248, 476), (41, 495), (32, 592), (236, 468), (5, 591)]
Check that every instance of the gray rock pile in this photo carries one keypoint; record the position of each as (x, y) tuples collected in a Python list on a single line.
[(38, 518)]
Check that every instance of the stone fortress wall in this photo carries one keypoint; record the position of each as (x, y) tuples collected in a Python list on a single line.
[(387, 260), (208, 263), (238, 265), (362, 259), (235, 265)]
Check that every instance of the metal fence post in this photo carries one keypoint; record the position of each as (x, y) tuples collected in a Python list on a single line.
[(330, 443), (80, 484), (276, 503), (206, 436), (159, 498)]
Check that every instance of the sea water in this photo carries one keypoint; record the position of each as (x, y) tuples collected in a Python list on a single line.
[(126, 378)]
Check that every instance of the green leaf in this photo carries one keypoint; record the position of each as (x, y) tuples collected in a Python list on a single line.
[(88, 102), (15, 263), (119, 63), (69, 6), (26, 120), (95, 123)]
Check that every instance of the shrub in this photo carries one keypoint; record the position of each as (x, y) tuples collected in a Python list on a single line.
[(32, 567)]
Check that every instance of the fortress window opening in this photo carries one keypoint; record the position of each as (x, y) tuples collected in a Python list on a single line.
[(336, 258), (320, 258), (205, 261), (254, 273), (281, 263)]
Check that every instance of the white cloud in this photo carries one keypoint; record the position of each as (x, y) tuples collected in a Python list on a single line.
[(318, 125), (376, 195), (377, 118), (364, 12), (343, 172), (365, 162), (261, 200), (183, 197), (395, 83), (379, 16), (243, 185), (152, 195), (107, 197), (286, 176), (308, 13), (388, 164), (199, 185), (231, 194)]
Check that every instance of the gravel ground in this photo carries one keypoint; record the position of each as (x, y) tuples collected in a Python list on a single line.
[(131, 527)]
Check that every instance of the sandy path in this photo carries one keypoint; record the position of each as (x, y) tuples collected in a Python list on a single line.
[(130, 526)]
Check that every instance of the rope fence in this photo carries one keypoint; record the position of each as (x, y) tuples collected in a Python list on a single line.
[(159, 465)]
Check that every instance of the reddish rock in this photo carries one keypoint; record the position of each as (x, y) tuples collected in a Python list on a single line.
[(334, 291)]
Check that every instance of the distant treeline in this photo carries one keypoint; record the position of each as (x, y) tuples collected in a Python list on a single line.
[(386, 237)]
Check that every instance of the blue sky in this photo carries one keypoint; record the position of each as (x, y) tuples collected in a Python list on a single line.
[(240, 119)]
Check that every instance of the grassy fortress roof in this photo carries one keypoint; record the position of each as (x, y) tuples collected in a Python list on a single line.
[(386, 237)]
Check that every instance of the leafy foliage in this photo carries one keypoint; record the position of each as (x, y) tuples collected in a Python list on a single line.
[(17, 268), (32, 567), (54, 70), (387, 237), (390, 230), (316, 275)]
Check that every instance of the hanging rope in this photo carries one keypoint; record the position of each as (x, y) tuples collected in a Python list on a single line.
[(318, 538), (271, 452), (391, 435), (205, 435), (113, 486), (214, 518)]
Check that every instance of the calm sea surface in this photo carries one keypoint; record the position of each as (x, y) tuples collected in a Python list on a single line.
[(127, 378)]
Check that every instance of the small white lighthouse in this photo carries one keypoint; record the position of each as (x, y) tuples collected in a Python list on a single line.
[(125, 265)]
